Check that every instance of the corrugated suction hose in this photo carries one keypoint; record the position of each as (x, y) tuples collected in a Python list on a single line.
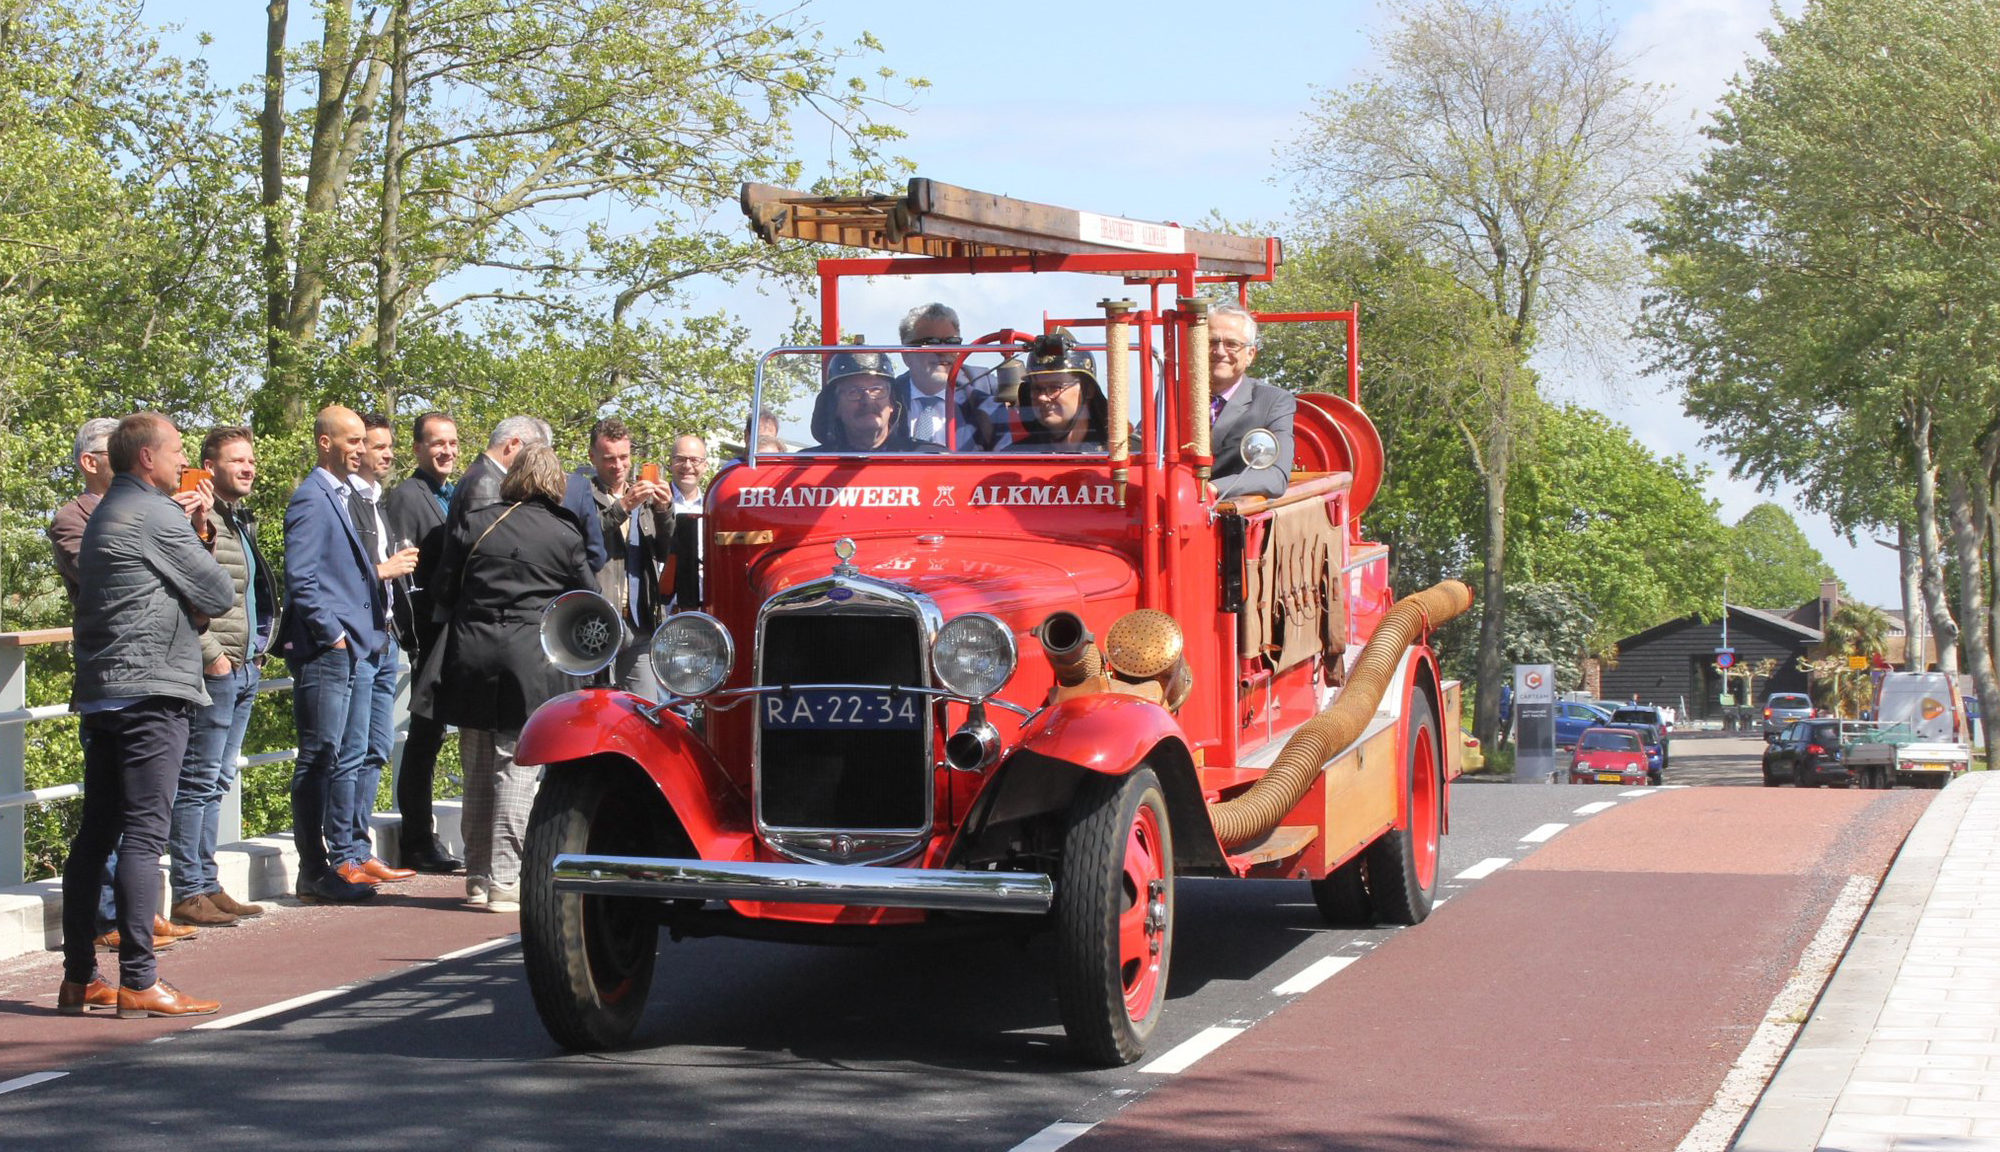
[(1251, 816)]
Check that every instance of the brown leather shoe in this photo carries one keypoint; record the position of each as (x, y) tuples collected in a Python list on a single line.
[(162, 999), (377, 867), (109, 941), (354, 873), (233, 906), (200, 910), (165, 927), (72, 998)]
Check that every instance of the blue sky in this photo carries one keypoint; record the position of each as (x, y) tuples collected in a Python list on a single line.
[(1173, 111)]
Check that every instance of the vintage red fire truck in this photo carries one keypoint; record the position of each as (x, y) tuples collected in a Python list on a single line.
[(1014, 690)]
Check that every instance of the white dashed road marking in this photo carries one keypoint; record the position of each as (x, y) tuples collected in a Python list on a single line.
[(1484, 868), (1053, 1137), (1315, 974), (256, 1014), (1594, 809), (476, 949), (1543, 833), (29, 1081), (1638, 792), (1183, 1056)]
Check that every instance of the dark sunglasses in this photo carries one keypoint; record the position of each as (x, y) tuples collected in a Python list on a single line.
[(930, 341)]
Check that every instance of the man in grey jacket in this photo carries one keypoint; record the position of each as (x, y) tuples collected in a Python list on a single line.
[(1242, 403), (232, 650), (150, 586)]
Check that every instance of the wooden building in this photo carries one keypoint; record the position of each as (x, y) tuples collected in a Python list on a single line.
[(1673, 664)]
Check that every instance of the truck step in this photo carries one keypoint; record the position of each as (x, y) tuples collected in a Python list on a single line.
[(1282, 844)]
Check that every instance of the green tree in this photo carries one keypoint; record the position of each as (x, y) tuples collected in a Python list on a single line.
[(1827, 286), (1771, 563), (1512, 146)]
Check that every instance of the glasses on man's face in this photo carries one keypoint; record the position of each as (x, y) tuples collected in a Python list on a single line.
[(1229, 347), (933, 341), (688, 459), (1049, 391), (858, 393)]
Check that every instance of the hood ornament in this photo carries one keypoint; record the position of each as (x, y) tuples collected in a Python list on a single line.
[(844, 549)]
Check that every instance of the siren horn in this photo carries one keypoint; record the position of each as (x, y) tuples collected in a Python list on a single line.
[(581, 633)]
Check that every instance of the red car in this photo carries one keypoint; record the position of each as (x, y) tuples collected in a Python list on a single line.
[(1608, 756)]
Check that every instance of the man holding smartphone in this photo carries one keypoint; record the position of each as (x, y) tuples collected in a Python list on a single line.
[(231, 651), (638, 520)]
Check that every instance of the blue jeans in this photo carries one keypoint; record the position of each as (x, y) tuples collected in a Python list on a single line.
[(215, 738), (330, 706), (379, 693)]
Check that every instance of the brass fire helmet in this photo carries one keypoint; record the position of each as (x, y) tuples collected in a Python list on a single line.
[(1146, 645)]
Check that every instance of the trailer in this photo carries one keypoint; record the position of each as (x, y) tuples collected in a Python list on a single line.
[(1919, 735), (1002, 692)]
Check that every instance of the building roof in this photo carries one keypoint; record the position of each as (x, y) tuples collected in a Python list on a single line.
[(1780, 620)]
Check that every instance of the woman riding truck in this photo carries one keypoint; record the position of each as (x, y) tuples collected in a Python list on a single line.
[(1062, 405)]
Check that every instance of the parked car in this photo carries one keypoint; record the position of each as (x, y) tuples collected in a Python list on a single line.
[(1609, 756), (1651, 726), (1806, 753), (1781, 708), (1572, 718)]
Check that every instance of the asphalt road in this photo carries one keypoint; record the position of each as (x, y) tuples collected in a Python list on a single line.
[(745, 1045)]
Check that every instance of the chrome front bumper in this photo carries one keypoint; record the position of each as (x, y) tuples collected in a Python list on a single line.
[(844, 884)]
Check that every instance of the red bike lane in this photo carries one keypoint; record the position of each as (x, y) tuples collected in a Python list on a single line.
[(1589, 997)]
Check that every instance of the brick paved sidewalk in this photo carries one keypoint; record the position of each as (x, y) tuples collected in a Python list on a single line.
[(1903, 1051)]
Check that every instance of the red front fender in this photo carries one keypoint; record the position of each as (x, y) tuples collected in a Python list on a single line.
[(604, 722), (1107, 732)]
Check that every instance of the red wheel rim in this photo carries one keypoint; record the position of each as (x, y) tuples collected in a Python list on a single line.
[(1424, 806), (1143, 914)]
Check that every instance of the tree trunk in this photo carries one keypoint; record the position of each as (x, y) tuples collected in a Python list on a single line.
[(1493, 592), (275, 407), (388, 257), (1910, 569), (338, 133), (1944, 629), (1967, 505)]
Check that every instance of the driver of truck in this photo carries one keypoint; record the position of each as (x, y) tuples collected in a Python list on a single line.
[(1061, 402), (983, 424), (1240, 403), (857, 409)]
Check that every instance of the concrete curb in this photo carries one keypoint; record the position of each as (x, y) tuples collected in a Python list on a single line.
[(255, 869), (1794, 1109)]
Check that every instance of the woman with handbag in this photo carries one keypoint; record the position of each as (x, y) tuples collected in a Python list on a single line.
[(495, 578)]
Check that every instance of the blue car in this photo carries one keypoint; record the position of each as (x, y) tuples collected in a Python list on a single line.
[(1573, 717)]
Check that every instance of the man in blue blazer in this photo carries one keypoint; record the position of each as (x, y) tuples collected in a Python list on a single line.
[(335, 633), (1241, 403)]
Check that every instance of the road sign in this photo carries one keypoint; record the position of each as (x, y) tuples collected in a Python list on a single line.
[(1857, 662), (1725, 657)]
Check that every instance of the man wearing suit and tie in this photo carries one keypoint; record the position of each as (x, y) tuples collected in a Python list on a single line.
[(1239, 404), (335, 634)]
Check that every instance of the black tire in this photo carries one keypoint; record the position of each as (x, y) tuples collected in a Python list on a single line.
[(1115, 916), (589, 958), (1771, 781), (1342, 896), (1403, 864)]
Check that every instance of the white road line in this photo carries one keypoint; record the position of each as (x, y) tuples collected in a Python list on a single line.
[(1543, 833), (1594, 809), (1315, 974), (29, 1081), (477, 949), (256, 1014), (1638, 792), (1484, 868), (1753, 1069), (1053, 1137), (1182, 1056)]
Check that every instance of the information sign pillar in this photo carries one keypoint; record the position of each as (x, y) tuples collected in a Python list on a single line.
[(1534, 723)]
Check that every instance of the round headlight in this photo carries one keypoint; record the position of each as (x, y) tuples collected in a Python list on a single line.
[(973, 655), (692, 654)]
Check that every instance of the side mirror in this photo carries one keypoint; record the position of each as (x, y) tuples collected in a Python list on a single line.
[(1771, 737), (1259, 448)]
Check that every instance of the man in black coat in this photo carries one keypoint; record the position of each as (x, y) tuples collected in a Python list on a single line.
[(416, 510), (481, 486)]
